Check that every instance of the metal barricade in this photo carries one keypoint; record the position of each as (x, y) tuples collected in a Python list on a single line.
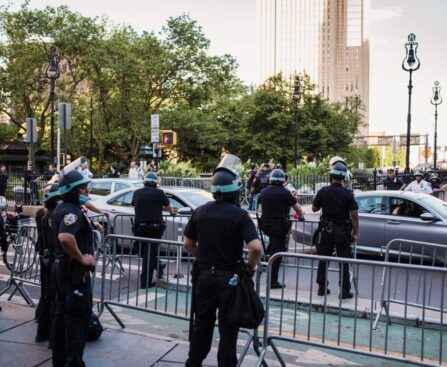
[(425, 295), (168, 296), (297, 315), (25, 266)]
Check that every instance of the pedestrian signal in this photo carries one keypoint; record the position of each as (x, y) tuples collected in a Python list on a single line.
[(168, 137)]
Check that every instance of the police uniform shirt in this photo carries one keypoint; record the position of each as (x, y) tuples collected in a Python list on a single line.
[(276, 202), (392, 183), (39, 224), (220, 229), (419, 187), (149, 203), (336, 203), (261, 182), (69, 218)]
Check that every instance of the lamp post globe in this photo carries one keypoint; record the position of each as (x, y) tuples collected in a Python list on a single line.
[(52, 73), (436, 100), (410, 63)]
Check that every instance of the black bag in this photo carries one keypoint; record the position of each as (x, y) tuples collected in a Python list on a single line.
[(95, 328), (245, 309)]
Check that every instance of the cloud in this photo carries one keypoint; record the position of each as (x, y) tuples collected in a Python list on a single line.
[(386, 13)]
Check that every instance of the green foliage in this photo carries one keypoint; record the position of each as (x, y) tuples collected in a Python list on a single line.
[(7, 133), (180, 169), (368, 156)]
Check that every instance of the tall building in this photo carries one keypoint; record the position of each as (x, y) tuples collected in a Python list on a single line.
[(327, 39)]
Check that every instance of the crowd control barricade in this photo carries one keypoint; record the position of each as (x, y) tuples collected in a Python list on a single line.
[(25, 264), (296, 314), (168, 296), (425, 295)]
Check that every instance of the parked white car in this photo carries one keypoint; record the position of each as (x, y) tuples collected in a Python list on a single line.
[(101, 187)]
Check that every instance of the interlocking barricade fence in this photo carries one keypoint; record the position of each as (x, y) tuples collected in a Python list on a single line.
[(297, 315), (425, 286), (167, 296), (196, 182), (26, 263)]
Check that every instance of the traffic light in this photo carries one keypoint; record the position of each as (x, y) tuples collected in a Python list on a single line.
[(168, 137)]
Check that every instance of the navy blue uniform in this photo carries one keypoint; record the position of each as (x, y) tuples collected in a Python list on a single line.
[(276, 203), (149, 202), (220, 229), (73, 305), (45, 248), (392, 183), (336, 203)]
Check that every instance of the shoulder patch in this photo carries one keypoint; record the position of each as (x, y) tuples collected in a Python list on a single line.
[(70, 219)]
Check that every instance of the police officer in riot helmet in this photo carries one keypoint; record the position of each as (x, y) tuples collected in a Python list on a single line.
[(220, 227), (149, 202), (339, 215), (261, 180), (276, 203), (347, 180), (73, 252), (45, 247)]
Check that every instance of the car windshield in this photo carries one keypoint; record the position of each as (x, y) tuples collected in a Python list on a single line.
[(197, 198), (437, 205), (138, 184)]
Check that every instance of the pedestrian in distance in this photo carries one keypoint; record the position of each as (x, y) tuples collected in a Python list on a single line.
[(49, 173), (73, 252), (339, 215), (392, 182), (260, 182), (133, 171), (419, 185), (84, 170), (113, 172), (220, 227), (149, 202), (45, 248), (249, 179), (276, 203), (140, 174), (3, 180)]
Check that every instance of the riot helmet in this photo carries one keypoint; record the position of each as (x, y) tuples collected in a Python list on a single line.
[(51, 192), (68, 184), (150, 179), (226, 185), (418, 173), (434, 176), (338, 171), (336, 159), (277, 177)]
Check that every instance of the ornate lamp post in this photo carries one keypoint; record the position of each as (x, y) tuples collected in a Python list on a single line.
[(436, 100), (296, 113), (411, 63), (52, 73)]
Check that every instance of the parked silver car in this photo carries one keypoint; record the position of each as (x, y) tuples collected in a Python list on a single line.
[(387, 215), (100, 187), (122, 213)]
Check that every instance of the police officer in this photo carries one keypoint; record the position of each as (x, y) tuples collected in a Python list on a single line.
[(339, 211), (149, 202), (392, 182), (73, 249), (45, 248), (276, 202), (419, 185), (220, 227), (260, 182)]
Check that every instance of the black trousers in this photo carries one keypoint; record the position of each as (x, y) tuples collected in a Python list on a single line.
[(149, 253), (45, 307), (72, 312), (339, 240), (278, 243), (213, 293)]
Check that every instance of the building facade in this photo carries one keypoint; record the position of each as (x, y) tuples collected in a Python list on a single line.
[(327, 39)]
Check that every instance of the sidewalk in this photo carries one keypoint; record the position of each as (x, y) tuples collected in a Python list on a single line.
[(119, 347)]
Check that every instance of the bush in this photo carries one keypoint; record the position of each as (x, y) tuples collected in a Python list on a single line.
[(180, 169)]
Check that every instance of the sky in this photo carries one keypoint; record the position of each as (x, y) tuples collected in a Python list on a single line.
[(231, 27)]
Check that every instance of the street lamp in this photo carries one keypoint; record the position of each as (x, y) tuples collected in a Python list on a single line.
[(52, 73), (411, 63), (436, 100), (296, 101), (90, 149)]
